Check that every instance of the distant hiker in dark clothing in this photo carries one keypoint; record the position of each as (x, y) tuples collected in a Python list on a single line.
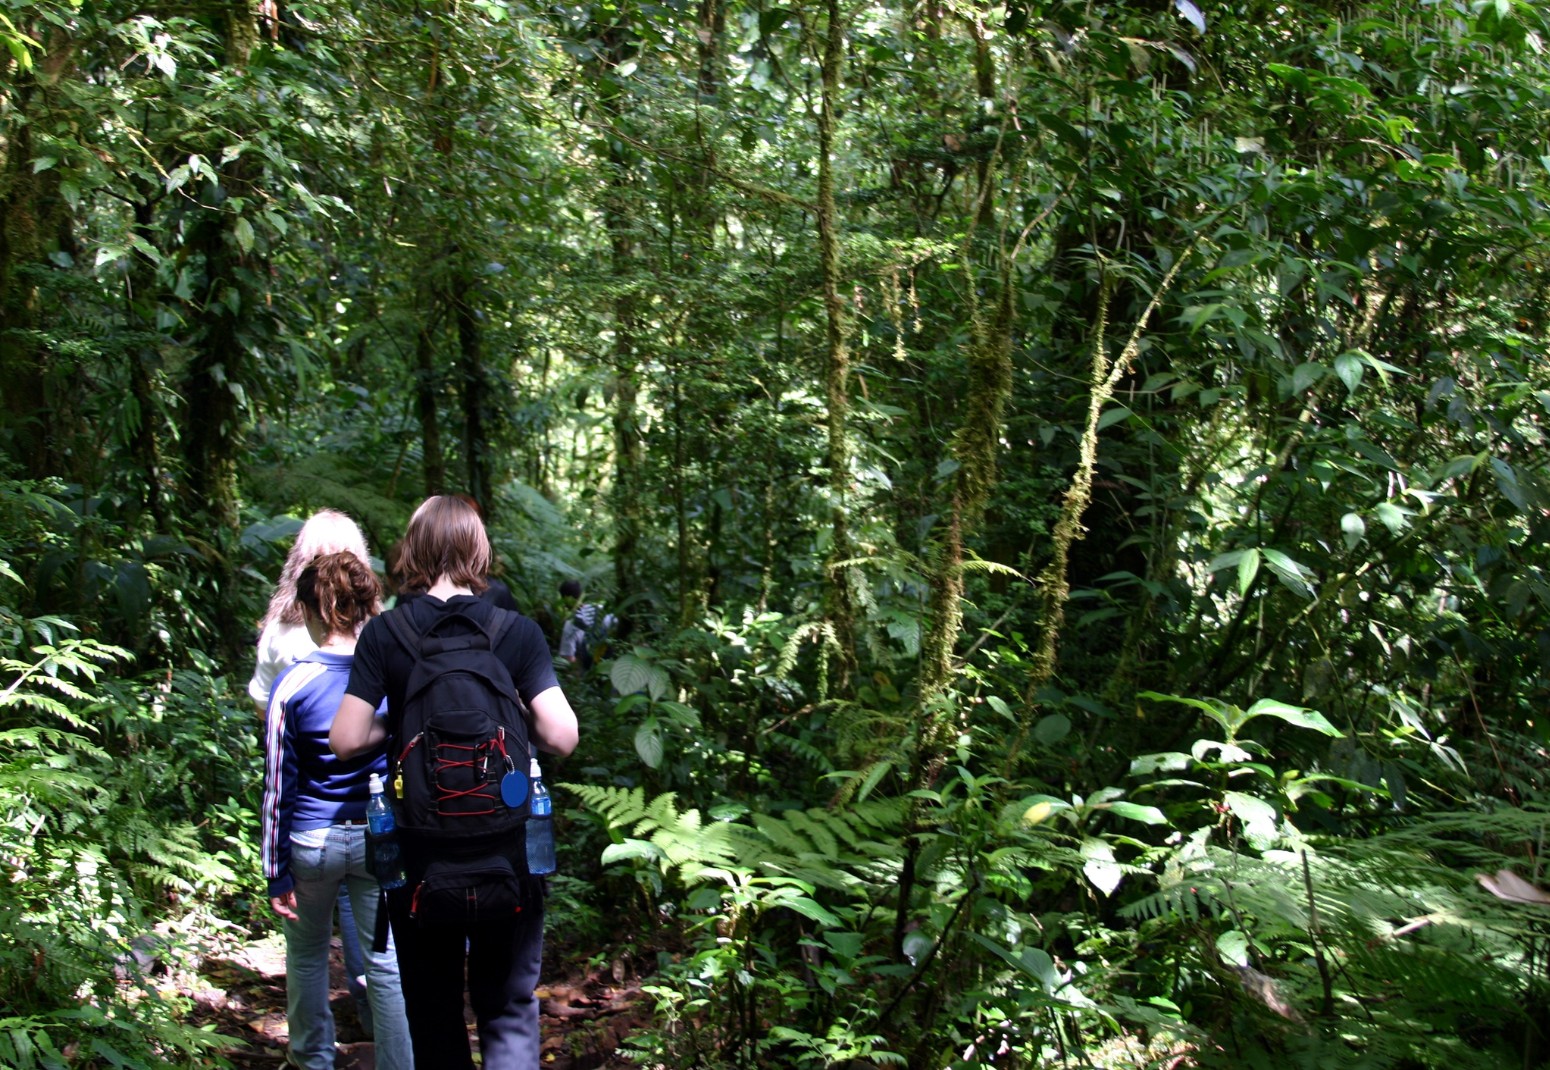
[(586, 628)]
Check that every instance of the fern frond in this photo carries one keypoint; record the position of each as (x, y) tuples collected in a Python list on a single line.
[(813, 755), (821, 837), (619, 807), (821, 631), (834, 849)]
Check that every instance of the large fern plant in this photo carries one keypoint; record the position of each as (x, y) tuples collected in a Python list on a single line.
[(86, 859)]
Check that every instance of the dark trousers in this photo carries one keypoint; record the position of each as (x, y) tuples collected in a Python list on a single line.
[(502, 961)]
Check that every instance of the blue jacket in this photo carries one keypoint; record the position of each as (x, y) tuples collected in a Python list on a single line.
[(305, 785)]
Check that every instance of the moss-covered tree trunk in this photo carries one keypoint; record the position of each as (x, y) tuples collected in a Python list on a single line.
[(839, 603), (34, 222), (229, 315), (629, 449)]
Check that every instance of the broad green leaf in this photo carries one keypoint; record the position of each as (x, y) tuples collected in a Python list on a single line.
[(1227, 560), (1052, 729), (1306, 376), (1461, 466), (1233, 946), (1113, 415), (1248, 568), (1289, 572), (631, 673), (1353, 529), (1036, 813), (1100, 868), (243, 232), (1213, 710), (1299, 716), (1393, 517), (648, 743), (1508, 483), (1226, 752), (1258, 817), (1147, 815), (1349, 367), (1167, 762), (630, 849), (1032, 961), (772, 20), (808, 909), (1033, 809)]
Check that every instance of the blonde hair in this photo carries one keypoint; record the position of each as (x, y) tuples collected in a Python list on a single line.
[(327, 531), (445, 538)]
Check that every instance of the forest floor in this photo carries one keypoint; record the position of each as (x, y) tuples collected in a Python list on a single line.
[(240, 991)]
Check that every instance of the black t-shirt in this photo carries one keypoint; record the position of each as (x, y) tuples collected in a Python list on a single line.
[(382, 665)]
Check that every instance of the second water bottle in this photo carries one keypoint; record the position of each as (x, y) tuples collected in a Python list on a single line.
[(540, 826)]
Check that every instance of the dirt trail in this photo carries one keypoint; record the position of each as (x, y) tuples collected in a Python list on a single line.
[(243, 993)]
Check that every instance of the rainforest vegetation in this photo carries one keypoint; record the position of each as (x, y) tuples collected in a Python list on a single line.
[(1072, 476)]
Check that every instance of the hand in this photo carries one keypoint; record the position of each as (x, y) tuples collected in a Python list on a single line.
[(285, 905)]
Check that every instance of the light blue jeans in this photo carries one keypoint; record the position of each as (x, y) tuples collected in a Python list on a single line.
[(319, 873)]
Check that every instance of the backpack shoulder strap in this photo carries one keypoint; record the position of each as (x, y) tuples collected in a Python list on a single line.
[(490, 619), (501, 621), (398, 623)]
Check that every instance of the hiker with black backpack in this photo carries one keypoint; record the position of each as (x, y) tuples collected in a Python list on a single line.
[(470, 688)]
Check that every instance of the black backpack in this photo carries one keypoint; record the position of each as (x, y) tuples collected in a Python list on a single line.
[(459, 761)]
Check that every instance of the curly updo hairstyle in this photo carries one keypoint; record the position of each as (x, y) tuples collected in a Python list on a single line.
[(341, 589)]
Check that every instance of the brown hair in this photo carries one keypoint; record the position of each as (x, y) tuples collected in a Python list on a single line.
[(341, 589), (327, 531), (445, 538)]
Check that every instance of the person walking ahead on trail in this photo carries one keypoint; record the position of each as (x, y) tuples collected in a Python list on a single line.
[(314, 821), (586, 627), (283, 638), (446, 555)]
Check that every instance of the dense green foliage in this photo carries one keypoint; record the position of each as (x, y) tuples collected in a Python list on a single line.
[(1073, 475)]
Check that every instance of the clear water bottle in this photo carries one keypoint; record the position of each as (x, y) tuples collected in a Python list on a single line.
[(387, 859), (540, 826)]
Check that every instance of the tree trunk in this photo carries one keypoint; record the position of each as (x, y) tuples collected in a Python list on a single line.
[(628, 447), (217, 376), (141, 301), (426, 380), (839, 605), (220, 375), (475, 389), (34, 221)]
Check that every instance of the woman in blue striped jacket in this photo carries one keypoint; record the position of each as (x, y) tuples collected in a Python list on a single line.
[(314, 820)]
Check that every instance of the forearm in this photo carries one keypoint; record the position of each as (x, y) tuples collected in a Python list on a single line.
[(356, 729), (555, 730)]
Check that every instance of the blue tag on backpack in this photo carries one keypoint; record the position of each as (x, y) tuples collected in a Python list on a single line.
[(514, 789)]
